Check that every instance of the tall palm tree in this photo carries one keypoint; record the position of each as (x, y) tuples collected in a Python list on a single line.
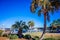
[(44, 7)]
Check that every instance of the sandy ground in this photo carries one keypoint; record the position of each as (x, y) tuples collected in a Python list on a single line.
[(5, 38)]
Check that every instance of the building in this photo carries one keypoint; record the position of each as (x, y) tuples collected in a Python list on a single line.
[(35, 29), (7, 31)]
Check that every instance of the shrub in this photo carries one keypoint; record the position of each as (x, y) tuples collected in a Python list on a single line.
[(1, 31), (20, 36), (5, 35), (58, 39), (36, 38), (33, 39), (27, 36), (13, 36)]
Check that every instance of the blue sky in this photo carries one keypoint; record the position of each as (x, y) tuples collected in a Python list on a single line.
[(15, 10)]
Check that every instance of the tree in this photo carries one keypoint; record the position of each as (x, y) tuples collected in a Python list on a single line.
[(55, 23), (20, 26), (31, 23), (44, 7)]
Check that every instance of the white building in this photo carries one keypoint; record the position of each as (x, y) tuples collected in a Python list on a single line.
[(34, 30)]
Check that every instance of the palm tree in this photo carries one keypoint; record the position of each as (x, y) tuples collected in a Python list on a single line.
[(44, 7), (17, 25), (20, 26), (31, 24)]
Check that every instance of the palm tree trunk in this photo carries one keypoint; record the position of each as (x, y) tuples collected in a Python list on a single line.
[(41, 38)]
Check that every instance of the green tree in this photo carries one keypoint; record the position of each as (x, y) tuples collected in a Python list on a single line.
[(20, 26), (31, 23), (44, 7), (55, 23)]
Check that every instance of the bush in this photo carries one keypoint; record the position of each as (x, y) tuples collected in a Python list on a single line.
[(33, 39), (27, 36), (20, 36), (36, 38), (13, 36), (1, 31), (58, 39), (5, 35), (49, 39)]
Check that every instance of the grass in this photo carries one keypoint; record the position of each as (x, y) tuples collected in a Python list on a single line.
[(47, 35)]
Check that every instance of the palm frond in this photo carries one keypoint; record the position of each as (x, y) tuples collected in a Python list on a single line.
[(36, 1), (17, 23), (39, 12), (34, 5), (52, 10), (14, 26), (32, 8), (55, 3), (48, 17), (40, 3)]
